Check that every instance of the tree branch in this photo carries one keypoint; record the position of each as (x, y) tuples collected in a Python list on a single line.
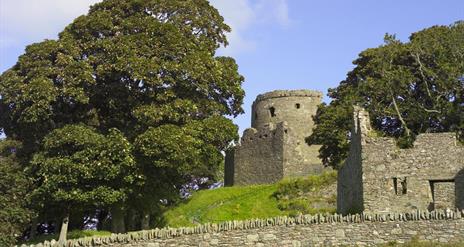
[(416, 56), (406, 129)]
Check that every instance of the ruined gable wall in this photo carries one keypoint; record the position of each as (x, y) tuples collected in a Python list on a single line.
[(349, 182)]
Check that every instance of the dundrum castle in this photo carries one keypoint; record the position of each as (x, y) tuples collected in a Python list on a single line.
[(377, 175), (384, 193)]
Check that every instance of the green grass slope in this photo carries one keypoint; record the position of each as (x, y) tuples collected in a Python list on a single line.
[(222, 204), (313, 194)]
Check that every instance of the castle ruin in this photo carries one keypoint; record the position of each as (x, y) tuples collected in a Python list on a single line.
[(274, 147), (380, 177)]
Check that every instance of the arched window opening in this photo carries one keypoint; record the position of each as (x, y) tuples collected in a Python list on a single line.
[(272, 111)]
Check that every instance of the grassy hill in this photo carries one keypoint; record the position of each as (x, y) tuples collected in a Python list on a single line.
[(313, 194)]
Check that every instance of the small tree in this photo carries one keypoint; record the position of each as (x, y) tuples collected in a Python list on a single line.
[(79, 168)]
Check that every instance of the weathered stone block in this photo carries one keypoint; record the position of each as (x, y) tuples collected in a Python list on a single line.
[(252, 238)]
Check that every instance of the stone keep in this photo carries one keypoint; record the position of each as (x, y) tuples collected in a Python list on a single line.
[(274, 147), (380, 177)]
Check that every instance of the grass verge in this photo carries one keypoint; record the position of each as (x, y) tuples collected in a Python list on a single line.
[(288, 197)]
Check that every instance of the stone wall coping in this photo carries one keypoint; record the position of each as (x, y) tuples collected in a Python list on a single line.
[(167, 232), (289, 93)]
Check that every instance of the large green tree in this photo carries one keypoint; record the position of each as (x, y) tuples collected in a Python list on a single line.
[(408, 88), (143, 67)]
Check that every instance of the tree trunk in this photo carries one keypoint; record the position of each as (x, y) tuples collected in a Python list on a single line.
[(130, 220), (117, 220), (102, 220), (145, 223), (64, 229), (33, 233)]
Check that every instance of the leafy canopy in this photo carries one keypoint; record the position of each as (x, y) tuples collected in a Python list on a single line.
[(408, 88), (81, 167)]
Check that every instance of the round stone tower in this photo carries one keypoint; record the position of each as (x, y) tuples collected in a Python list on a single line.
[(274, 147), (296, 107)]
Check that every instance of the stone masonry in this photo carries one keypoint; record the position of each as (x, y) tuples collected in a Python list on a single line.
[(380, 177), (303, 230), (274, 147)]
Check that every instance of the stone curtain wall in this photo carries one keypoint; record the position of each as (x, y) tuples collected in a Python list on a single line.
[(307, 230), (259, 157)]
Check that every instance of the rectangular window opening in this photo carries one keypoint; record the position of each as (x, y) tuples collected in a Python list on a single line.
[(400, 185)]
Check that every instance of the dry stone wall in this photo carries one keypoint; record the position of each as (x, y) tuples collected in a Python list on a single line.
[(304, 230)]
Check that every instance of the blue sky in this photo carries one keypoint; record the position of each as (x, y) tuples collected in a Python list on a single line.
[(278, 44)]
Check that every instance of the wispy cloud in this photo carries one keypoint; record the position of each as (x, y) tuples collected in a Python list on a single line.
[(31, 21), (273, 11), (35, 20), (239, 15), (242, 15)]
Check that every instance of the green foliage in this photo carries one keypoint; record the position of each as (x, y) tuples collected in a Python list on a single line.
[(14, 212), (406, 141), (408, 88), (292, 188), (80, 167), (190, 149), (332, 122), (289, 197), (300, 196)]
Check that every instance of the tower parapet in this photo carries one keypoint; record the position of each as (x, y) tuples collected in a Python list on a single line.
[(294, 106)]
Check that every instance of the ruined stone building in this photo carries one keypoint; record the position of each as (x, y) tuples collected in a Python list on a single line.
[(274, 147), (380, 177)]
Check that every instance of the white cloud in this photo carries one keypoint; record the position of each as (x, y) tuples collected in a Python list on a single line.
[(35, 20), (241, 15), (273, 11)]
